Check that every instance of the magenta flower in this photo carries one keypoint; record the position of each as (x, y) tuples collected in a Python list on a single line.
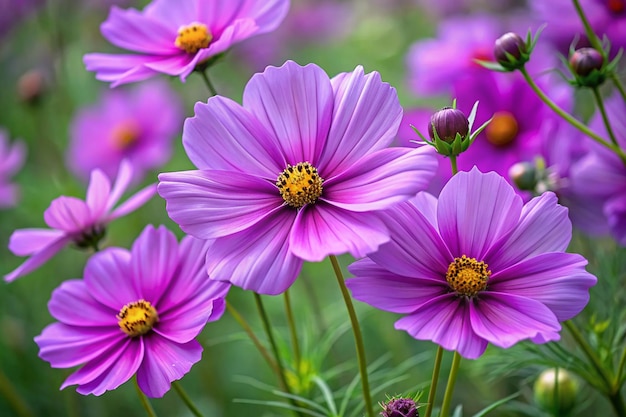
[(135, 312), (476, 267), (298, 172), (138, 125), (72, 220), (11, 160), (173, 38)]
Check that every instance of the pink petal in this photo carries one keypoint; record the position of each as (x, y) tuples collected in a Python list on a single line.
[(38, 258), (29, 241), (184, 322), (182, 63), (140, 198), (119, 68), (108, 275), (267, 14), (173, 14), (98, 193), (123, 179), (321, 230), (164, 362), (72, 304), (69, 214)]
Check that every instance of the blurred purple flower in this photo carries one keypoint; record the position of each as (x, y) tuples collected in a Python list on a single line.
[(173, 38), (476, 267), (448, 7), (135, 312), (138, 125), (11, 160), (300, 171), (73, 220)]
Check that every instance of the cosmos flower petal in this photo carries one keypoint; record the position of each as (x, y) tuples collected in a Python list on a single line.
[(66, 346), (119, 69), (38, 258), (186, 321), (137, 200), (181, 64), (132, 30), (210, 204), (98, 193), (257, 259), (103, 374), (72, 296), (164, 362), (107, 276), (366, 117), (267, 14), (395, 173), (122, 181), (295, 104), (25, 242), (505, 319), (543, 227), (476, 209), (70, 214), (558, 280), (322, 229), (387, 291), (175, 13), (446, 321)]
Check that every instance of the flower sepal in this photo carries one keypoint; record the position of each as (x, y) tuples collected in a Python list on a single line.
[(511, 51), (401, 406), (590, 67)]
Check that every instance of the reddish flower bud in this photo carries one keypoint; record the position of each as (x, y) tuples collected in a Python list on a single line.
[(585, 60), (400, 407), (511, 51), (448, 122)]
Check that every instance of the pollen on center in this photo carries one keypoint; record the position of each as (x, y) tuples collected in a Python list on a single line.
[(300, 184), (193, 37), (137, 318), (467, 276)]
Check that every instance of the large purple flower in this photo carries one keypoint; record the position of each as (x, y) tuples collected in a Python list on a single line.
[(476, 267), (135, 312), (298, 172), (138, 125), (73, 220), (11, 160), (174, 37)]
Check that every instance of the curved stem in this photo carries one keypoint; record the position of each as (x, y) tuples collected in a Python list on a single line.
[(144, 401), (447, 397), (358, 337), (183, 396), (618, 404), (569, 118), (605, 117), (208, 82), (292, 331), (618, 84), (591, 35), (591, 355), (453, 164), (433, 383), (617, 385)]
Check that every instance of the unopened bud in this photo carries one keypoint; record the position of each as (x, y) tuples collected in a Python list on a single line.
[(31, 86), (511, 51), (560, 401), (524, 175), (400, 407), (448, 122), (585, 60)]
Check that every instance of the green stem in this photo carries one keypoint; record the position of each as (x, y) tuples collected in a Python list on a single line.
[(144, 401), (13, 398), (618, 404), (358, 337), (293, 332), (605, 117), (591, 35), (618, 84), (588, 350), (453, 164), (208, 82), (620, 372), (183, 396), (255, 340), (447, 397), (569, 118), (433, 383)]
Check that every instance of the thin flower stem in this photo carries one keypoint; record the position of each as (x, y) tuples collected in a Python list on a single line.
[(292, 330), (618, 404), (447, 397), (144, 401), (183, 396), (246, 327), (208, 82), (618, 84), (605, 117), (12, 396), (453, 164), (571, 120), (588, 350), (433, 383), (358, 337), (620, 372), (591, 35)]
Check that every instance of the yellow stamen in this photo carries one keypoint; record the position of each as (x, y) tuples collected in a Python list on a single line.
[(467, 276), (299, 185), (137, 318), (193, 37), (502, 129)]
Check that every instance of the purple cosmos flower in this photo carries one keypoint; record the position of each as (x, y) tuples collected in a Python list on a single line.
[(138, 125), (476, 267), (73, 220), (171, 37), (298, 172), (135, 312), (11, 160)]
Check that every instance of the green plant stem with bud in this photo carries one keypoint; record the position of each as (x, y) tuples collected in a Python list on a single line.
[(144, 400), (605, 118), (186, 399), (292, 330), (570, 119), (447, 397), (453, 164), (433, 383), (358, 337)]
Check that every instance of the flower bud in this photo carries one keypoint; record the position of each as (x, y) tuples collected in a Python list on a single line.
[(559, 401), (524, 175), (448, 122), (511, 51), (31, 86), (585, 60), (400, 407)]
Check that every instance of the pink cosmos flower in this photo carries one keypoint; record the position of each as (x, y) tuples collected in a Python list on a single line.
[(11, 160), (300, 171), (135, 312), (174, 37), (138, 125), (72, 220), (476, 266)]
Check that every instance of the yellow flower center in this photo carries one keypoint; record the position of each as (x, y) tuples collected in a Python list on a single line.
[(193, 37), (300, 184), (502, 129), (124, 135), (467, 276), (137, 318)]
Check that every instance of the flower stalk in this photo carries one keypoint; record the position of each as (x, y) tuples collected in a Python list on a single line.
[(186, 399), (433, 383), (447, 397), (605, 118), (293, 331), (144, 400)]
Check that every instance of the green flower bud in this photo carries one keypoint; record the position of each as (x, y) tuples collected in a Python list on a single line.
[(559, 401)]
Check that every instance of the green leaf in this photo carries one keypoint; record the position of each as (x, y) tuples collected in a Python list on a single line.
[(495, 405)]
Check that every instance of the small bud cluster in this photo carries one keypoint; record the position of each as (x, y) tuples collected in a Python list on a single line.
[(400, 407)]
